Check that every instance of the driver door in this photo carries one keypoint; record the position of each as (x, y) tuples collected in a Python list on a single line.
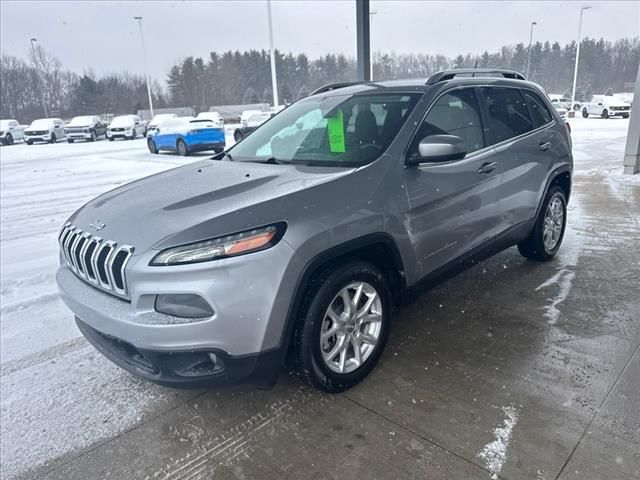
[(453, 206)]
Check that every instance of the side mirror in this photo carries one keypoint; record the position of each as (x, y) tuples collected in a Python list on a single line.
[(439, 148), (600, 104)]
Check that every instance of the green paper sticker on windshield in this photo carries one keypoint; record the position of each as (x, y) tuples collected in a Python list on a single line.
[(335, 127)]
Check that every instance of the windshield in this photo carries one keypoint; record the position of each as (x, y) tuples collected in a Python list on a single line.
[(122, 121), (162, 117), (41, 123), (329, 130), (81, 121)]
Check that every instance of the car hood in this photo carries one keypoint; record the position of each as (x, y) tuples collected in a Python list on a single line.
[(198, 201)]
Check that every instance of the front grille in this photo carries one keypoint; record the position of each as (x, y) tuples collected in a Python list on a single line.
[(95, 260), (117, 129), (77, 129), (38, 132)]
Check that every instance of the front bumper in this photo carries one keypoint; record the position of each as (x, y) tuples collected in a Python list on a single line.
[(37, 138), (124, 134), (192, 369), (79, 135), (246, 330)]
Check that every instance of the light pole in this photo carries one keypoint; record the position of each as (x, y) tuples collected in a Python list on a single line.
[(272, 55), (530, 45), (40, 82), (371, 14), (575, 69), (146, 67)]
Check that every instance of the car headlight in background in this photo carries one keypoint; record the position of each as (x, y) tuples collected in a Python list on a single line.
[(241, 243)]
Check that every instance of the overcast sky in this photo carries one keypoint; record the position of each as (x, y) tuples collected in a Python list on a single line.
[(102, 35)]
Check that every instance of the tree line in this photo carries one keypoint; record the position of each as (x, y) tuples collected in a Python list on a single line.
[(235, 77)]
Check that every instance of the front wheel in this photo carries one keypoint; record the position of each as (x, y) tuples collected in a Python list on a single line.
[(152, 145), (53, 138), (8, 139), (544, 240), (93, 137), (237, 135), (110, 139), (182, 149), (605, 113), (585, 113), (344, 326), (69, 140), (625, 115)]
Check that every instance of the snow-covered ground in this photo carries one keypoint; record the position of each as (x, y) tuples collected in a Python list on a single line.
[(58, 394)]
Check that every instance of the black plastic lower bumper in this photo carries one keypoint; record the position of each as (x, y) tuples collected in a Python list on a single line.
[(187, 369)]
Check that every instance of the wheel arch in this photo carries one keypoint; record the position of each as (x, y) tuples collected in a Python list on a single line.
[(378, 249), (561, 177)]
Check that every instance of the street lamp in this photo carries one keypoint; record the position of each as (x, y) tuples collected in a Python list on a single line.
[(40, 82), (272, 55), (146, 67), (530, 44), (371, 14), (575, 70)]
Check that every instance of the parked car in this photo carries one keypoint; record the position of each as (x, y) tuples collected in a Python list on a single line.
[(564, 102), (299, 245), (563, 112), (215, 117), (606, 106), (126, 127), (253, 122), (186, 135), (155, 122), (244, 116), (10, 131), (44, 130), (86, 127)]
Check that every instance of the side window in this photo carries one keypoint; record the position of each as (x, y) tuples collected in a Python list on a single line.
[(507, 113), (540, 114), (454, 113)]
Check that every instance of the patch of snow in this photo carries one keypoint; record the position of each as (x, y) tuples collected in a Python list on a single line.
[(494, 453)]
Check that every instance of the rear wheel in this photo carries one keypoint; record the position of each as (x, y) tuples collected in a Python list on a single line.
[(152, 145), (182, 149), (585, 113), (344, 326), (544, 240), (605, 113)]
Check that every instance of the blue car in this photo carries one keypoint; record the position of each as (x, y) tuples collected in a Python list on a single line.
[(186, 135)]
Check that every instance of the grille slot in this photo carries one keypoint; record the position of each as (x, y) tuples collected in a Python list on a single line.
[(97, 261)]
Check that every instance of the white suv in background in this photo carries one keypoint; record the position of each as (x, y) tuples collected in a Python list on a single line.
[(126, 126), (45, 130), (606, 106), (10, 131), (155, 122)]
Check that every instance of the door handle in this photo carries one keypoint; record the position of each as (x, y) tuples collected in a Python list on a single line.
[(487, 167), (544, 146)]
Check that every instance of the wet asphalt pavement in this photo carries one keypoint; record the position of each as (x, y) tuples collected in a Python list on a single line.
[(512, 370)]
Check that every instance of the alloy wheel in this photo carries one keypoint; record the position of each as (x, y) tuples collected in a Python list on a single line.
[(351, 327), (553, 223)]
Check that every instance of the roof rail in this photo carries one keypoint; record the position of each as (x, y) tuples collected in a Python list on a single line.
[(333, 86), (443, 75)]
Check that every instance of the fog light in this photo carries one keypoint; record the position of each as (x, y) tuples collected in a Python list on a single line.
[(183, 305)]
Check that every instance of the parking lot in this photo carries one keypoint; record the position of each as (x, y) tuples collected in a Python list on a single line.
[(511, 370)]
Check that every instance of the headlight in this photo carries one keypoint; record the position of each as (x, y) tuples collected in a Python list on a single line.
[(241, 243)]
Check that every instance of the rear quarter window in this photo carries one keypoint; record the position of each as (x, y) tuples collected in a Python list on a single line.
[(540, 114)]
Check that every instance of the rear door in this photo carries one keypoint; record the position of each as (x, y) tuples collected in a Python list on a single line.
[(453, 206), (519, 129)]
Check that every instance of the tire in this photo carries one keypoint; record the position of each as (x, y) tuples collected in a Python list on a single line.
[(69, 140), (182, 148), (110, 139), (625, 115), (313, 359), (605, 113), (8, 140), (237, 135), (534, 246), (93, 137), (152, 145), (134, 134), (29, 142), (53, 138), (585, 113)]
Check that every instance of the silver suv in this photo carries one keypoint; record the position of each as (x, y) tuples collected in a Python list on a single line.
[(298, 242)]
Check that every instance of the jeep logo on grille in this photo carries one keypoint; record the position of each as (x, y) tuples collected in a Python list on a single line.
[(97, 224)]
